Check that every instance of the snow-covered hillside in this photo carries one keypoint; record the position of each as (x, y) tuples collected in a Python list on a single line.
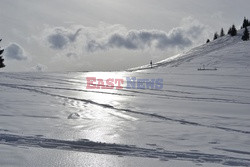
[(225, 53), (199, 118)]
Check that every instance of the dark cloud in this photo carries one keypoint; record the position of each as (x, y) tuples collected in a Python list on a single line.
[(57, 41), (60, 38), (72, 36), (15, 52), (142, 39)]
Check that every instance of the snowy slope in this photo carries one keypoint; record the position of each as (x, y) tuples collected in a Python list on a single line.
[(199, 118), (225, 52)]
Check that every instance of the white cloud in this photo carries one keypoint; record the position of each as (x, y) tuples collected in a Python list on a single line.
[(105, 37), (15, 52)]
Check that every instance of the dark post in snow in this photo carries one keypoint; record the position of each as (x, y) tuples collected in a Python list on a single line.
[(1, 58)]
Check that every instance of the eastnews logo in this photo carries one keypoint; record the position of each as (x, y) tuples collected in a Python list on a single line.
[(129, 83)]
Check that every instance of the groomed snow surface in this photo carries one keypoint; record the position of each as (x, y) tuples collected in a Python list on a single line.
[(199, 118)]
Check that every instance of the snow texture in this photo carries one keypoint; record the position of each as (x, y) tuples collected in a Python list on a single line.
[(199, 118)]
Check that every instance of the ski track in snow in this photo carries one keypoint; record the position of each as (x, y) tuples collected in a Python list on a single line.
[(119, 150), (233, 151), (153, 115), (31, 116), (179, 97)]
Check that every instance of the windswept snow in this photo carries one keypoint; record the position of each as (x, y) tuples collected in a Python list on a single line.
[(199, 118)]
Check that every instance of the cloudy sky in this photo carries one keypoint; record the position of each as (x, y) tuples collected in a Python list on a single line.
[(103, 35)]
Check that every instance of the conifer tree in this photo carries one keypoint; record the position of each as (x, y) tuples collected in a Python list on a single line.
[(1, 58), (222, 32), (208, 40), (245, 23), (245, 36), (234, 31), (216, 36)]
